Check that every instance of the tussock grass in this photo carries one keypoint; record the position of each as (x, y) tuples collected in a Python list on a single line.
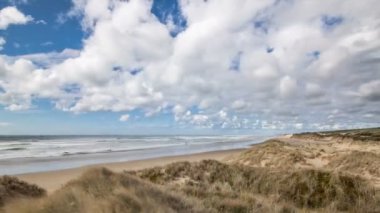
[(357, 162), (101, 190), (237, 188), (207, 186), (272, 154), (12, 188)]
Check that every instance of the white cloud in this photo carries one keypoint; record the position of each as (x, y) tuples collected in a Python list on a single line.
[(223, 115), (11, 15), (293, 67), (43, 22), (124, 117), (46, 59)]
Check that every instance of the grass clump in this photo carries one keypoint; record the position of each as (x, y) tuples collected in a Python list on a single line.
[(320, 189), (272, 154), (357, 162), (101, 190), (235, 188), (12, 188)]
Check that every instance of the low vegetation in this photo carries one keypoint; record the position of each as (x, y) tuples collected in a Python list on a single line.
[(273, 154), (357, 162), (359, 135), (208, 186), (12, 188), (101, 190), (309, 172), (236, 188)]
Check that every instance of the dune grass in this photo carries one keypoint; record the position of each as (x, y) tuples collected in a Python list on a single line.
[(358, 135), (101, 190), (272, 154), (12, 188), (246, 189), (357, 162), (207, 186)]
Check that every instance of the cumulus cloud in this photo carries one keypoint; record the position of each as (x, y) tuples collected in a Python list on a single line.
[(294, 63), (11, 15), (45, 60), (124, 117)]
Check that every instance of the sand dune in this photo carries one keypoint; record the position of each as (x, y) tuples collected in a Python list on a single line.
[(337, 151), (309, 172)]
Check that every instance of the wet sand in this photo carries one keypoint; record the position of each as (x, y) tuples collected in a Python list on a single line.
[(53, 180)]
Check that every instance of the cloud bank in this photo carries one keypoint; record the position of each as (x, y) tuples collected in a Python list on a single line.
[(231, 64)]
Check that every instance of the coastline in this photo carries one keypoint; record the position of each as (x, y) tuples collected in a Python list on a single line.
[(53, 180), (50, 155)]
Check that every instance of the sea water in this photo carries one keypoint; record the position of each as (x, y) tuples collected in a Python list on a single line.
[(25, 154)]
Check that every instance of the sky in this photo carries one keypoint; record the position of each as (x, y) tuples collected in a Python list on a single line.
[(188, 66)]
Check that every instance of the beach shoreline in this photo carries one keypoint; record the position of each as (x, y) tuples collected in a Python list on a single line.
[(53, 180), (60, 152)]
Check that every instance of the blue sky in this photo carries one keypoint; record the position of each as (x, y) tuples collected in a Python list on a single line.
[(45, 34), (51, 32), (187, 67)]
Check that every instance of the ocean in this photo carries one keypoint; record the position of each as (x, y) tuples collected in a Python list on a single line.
[(26, 154)]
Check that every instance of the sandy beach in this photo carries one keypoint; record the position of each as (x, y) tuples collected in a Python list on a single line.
[(53, 180)]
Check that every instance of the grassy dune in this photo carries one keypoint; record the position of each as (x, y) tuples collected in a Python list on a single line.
[(308, 172), (236, 188), (12, 189), (357, 135), (100, 190)]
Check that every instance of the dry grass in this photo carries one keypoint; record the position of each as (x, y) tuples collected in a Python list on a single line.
[(234, 188), (208, 186), (101, 190), (319, 151), (357, 162), (358, 135), (12, 188), (273, 154)]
